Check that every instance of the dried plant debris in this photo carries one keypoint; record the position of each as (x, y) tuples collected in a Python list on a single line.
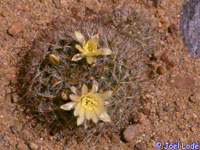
[(190, 25), (47, 71)]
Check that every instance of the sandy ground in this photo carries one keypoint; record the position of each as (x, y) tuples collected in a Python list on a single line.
[(169, 110)]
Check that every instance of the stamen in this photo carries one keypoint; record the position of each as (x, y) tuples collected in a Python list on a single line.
[(88, 102), (88, 47)]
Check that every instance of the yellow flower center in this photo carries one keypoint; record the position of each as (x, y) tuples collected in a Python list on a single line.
[(89, 46), (88, 102)]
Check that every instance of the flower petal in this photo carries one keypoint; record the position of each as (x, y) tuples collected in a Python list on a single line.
[(77, 109), (99, 108), (99, 100), (94, 87), (79, 48), (78, 57), (68, 106), (82, 112), (104, 51), (106, 95), (98, 111), (96, 39), (81, 117), (80, 38), (80, 120), (105, 117), (89, 60), (88, 114), (94, 117), (91, 115), (74, 90), (84, 89), (74, 97)]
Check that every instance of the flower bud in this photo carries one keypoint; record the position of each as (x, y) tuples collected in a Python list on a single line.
[(54, 59)]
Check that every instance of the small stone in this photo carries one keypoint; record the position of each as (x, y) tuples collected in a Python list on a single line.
[(155, 3), (57, 3), (89, 11), (33, 146), (186, 116), (172, 29), (157, 53), (13, 129), (166, 108), (163, 36), (161, 70), (140, 146), (3, 13), (22, 146), (24, 134), (136, 118), (145, 111), (130, 133), (183, 82), (75, 11), (167, 60), (14, 98), (14, 29), (195, 97)]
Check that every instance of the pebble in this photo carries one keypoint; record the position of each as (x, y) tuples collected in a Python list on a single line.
[(186, 116), (14, 29), (166, 59), (14, 98), (195, 97), (3, 13), (33, 146), (140, 146), (183, 82), (75, 11), (172, 29), (13, 129), (155, 3), (130, 133), (161, 70), (158, 53), (57, 3), (25, 134), (22, 146), (137, 118), (167, 108), (145, 111)]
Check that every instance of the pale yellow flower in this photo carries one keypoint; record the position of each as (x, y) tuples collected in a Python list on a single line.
[(88, 105), (88, 49)]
